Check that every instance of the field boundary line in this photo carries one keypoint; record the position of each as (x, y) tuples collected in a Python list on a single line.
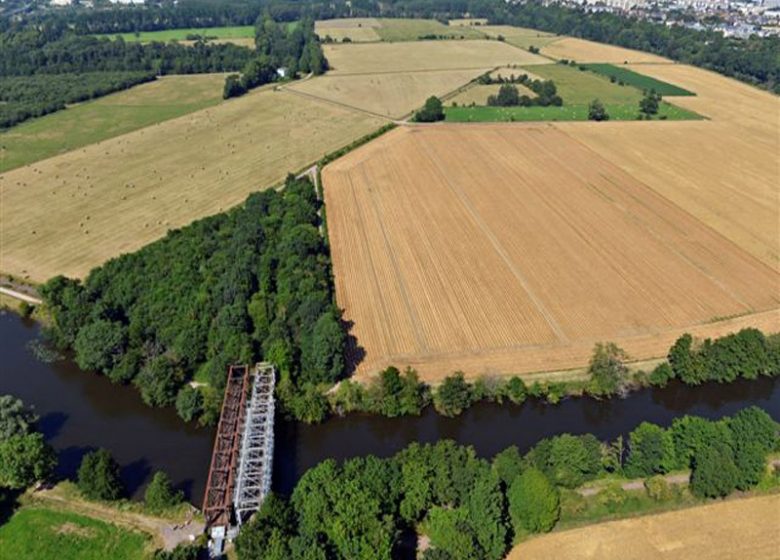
[(333, 102), (463, 198)]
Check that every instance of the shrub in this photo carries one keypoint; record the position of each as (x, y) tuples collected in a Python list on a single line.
[(658, 488), (432, 111), (453, 396), (189, 403)]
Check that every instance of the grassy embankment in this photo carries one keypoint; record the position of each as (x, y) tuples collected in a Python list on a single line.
[(577, 88), (113, 115)]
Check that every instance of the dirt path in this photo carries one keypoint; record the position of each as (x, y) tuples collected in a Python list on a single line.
[(675, 479), (166, 534), (20, 296)]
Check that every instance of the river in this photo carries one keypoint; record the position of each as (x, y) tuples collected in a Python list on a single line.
[(81, 411)]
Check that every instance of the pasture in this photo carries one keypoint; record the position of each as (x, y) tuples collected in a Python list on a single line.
[(722, 170), (390, 95), (35, 532), (514, 248), (79, 125), (69, 213), (640, 81), (165, 35), (621, 112), (357, 30), (372, 58), (581, 50), (743, 528)]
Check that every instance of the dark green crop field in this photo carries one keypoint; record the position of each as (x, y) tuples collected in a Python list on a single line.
[(631, 78)]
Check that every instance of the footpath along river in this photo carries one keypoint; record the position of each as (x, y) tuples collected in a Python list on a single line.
[(81, 411)]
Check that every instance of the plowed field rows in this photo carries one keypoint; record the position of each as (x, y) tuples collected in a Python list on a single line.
[(477, 247)]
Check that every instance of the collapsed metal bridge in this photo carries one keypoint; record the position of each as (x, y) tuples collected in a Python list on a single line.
[(240, 473)]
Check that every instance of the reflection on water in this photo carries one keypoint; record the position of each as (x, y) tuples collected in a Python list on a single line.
[(81, 411)]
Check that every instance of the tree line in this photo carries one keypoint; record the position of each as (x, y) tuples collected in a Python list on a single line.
[(26, 97), (248, 284), (473, 508), (282, 52), (508, 95), (752, 60)]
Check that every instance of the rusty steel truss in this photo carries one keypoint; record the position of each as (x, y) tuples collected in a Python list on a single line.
[(240, 473), (220, 484)]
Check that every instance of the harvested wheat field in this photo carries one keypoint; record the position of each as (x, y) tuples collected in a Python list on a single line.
[(424, 55), (514, 248), (724, 171), (582, 50), (67, 214), (745, 528), (355, 29), (389, 95), (520, 37)]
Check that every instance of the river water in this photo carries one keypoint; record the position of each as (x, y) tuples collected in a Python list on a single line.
[(81, 411)]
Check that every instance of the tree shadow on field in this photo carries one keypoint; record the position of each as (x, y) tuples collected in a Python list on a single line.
[(353, 352)]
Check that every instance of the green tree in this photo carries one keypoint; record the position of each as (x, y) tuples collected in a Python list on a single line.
[(189, 403), (753, 425), (661, 375), (267, 536), (99, 345), (25, 459), (508, 465), (453, 395), (322, 353), (432, 111), (98, 476), (686, 363), (160, 494), (597, 112), (691, 434), (516, 390), (507, 96), (233, 87), (568, 460), (750, 463), (607, 370), (159, 380), (534, 503), (451, 533), (714, 473), (485, 506), (15, 418), (648, 105), (651, 451)]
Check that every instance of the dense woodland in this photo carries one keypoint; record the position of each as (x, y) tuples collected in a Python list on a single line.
[(753, 60), (474, 509), (247, 284)]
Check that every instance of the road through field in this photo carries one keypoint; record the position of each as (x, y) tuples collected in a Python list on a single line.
[(741, 528)]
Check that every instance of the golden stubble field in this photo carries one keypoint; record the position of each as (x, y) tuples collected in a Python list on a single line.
[(744, 528), (389, 95), (582, 50), (725, 171), (515, 248), (67, 214), (373, 58)]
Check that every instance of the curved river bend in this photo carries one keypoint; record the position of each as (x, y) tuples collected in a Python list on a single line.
[(81, 411)]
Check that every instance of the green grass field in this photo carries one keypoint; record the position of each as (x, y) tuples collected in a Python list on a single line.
[(37, 533), (412, 29), (577, 88), (109, 116), (631, 78), (617, 112), (234, 32)]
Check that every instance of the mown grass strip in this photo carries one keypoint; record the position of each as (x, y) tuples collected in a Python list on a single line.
[(617, 112), (640, 81)]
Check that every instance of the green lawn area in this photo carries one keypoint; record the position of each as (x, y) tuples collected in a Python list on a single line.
[(109, 116), (233, 32), (412, 29), (37, 533), (640, 81), (577, 88), (617, 112)]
